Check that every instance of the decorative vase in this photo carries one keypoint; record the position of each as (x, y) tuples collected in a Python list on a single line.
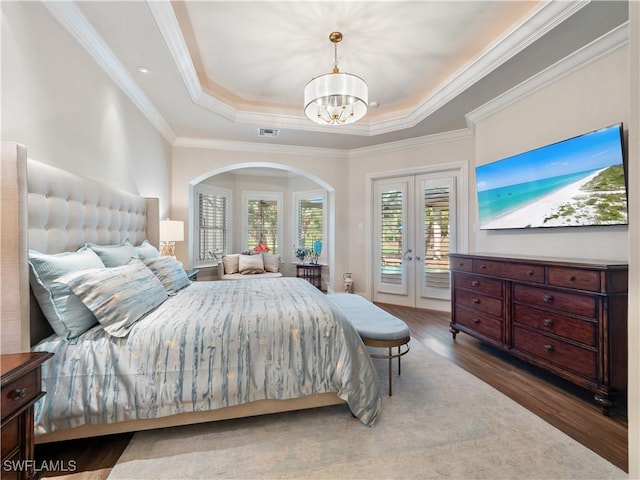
[(348, 282)]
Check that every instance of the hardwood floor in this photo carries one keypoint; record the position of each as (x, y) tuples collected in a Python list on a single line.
[(562, 404)]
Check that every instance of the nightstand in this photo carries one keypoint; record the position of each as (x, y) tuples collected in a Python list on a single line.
[(311, 273), (193, 274), (20, 387)]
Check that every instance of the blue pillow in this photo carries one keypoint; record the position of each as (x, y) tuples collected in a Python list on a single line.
[(66, 314), (146, 250), (114, 255), (170, 273), (118, 296)]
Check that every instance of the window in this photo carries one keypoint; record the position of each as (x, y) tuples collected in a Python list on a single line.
[(262, 220), (213, 230), (310, 223)]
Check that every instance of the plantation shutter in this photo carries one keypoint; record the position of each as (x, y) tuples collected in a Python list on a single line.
[(310, 222), (437, 235), (213, 234)]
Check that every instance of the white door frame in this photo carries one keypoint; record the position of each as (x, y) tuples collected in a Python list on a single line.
[(461, 169)]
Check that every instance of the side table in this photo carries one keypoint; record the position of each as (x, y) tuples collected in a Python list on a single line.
[(311, 273), (21, 387)]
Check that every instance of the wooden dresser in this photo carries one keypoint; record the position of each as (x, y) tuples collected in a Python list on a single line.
[(568, 317), (20, 386)]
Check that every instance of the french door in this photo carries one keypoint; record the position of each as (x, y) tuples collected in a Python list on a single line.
[(414, 231)]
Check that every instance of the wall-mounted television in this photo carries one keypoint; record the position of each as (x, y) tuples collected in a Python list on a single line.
[(580, 181)]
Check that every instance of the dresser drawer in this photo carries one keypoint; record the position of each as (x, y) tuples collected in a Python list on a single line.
[(585, 305), (479, 322), (579, 360), (20, 392), (582, 331), (574, 278), (10, 437), (479, 302), (512, 271), (489, 286), (461, 264)]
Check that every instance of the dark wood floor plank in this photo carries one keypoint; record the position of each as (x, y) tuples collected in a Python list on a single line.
[(563, 405)]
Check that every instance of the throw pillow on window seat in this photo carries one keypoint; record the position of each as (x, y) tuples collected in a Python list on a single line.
[(271, 262), (250, 264)]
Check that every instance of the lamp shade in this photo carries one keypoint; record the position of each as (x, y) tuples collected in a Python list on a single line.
[(171, 230), (336, 98)]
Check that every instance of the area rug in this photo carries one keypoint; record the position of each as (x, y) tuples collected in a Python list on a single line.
[(441, 422)]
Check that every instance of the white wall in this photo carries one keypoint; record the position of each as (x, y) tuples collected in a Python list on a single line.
[(67, 111), (590, 98), (192, 165)]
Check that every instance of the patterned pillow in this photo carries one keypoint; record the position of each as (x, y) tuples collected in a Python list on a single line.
[(66, 314), (271, 262), (118, 296), (249, 264), (170, 273), (115, 255), (146, 250)]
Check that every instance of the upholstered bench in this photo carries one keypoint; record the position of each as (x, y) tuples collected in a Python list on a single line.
[(376, 327)]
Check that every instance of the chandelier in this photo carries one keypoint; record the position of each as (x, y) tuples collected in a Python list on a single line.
[(336, 98)]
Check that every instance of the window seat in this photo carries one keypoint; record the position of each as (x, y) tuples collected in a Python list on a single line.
[(247, 267)]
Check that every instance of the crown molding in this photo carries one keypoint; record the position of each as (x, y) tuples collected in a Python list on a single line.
[(451, 136), (511, 43), (70, 17), (233, 146), (599, 48)]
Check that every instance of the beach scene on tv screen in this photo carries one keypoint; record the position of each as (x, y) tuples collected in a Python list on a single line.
[(576, 182)]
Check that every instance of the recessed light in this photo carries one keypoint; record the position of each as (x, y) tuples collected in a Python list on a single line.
[(144, 70)]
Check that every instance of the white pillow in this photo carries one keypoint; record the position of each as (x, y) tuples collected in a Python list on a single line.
[(249, 264), (230, 263), (271, 262)]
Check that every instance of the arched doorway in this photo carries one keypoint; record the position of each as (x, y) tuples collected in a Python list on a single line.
[(252, 179)]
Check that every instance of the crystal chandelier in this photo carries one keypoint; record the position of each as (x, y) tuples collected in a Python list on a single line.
[(336, 98)]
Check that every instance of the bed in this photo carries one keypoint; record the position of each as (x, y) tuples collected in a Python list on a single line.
[(194, 357)]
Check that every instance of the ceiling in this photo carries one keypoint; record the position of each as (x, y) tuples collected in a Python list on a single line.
[(219, 71)]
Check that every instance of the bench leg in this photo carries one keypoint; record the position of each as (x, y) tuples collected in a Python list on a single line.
[(390, 365)]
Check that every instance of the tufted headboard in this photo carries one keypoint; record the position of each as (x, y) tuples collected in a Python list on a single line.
[(55, 211)]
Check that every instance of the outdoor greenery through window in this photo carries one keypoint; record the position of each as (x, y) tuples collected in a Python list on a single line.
[(262, 215), (310, 221), (213, 231)]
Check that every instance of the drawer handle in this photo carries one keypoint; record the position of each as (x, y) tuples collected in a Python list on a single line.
[(476, 321), (572, 278), (475, 283), (483, 267), (548, 348), (19, 393), (529, 272), (476, 301), (547, 322), (461, 264), (548, 298)]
